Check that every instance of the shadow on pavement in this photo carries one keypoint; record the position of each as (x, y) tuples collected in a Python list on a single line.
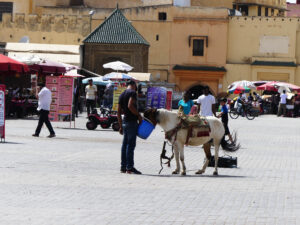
[(11, 142), (68, 128), (193, 176)]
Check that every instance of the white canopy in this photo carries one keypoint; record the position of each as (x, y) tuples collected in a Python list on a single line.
[(141, 76), (58, 53), (118, 66)]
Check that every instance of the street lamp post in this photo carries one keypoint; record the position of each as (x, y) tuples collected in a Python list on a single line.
[(91, 13)]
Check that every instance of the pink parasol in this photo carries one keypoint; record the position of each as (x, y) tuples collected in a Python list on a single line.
[(10, 65), (290, 86), (48, 67), (274, 86)]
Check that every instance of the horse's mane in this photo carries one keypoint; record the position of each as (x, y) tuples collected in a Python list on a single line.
[(167, 118), (164, 114)]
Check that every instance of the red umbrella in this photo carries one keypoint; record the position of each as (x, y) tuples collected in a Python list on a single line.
[(239, 89), (10, 65), (47, 66), (269, 86)]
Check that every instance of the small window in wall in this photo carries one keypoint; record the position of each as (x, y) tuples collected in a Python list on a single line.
[(234, 6), (272, 12), (162, 16), (76, 2), (266, 11), (5, 7), (157, 37), (259, 11), (244, 10), (198, 47)]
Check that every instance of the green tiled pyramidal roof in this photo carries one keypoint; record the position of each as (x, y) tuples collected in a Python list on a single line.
[(116, 29)]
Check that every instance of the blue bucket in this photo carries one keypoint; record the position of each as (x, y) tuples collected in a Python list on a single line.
[(145, 129)]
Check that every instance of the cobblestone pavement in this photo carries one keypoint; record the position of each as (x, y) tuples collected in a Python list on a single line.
[(74, 178)]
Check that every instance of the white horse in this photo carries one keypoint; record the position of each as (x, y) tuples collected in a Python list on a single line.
[(170, 120)]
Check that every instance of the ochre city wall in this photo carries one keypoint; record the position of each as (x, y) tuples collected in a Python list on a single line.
[(246, 37), (58, 29), (212, 3)]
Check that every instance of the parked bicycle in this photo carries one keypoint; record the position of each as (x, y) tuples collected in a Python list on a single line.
[(250, 112)]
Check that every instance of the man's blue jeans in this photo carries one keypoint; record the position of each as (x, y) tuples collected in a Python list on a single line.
[(129, 141)]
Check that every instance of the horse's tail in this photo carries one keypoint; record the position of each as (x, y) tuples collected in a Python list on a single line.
[(230, 147)]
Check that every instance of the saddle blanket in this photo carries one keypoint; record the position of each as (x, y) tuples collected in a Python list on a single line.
[(194, 121), (196, 125)]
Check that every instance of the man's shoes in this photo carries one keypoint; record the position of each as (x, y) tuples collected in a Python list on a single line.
[(134, 171), (51, 136), (123, 170), (35, 135)]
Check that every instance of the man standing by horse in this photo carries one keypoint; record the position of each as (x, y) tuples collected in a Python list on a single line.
[(207, 103), (128, 127)]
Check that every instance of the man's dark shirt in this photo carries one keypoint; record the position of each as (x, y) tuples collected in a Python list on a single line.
[(123, 101), (224, 111), (250, 98)]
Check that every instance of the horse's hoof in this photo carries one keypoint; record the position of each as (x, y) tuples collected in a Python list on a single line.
[(199, 172), (215, 173), (175, 172), (183, 173)]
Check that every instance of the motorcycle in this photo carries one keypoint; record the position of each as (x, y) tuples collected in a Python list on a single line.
[(105, 119)]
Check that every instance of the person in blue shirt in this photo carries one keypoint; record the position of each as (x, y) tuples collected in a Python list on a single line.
[(186, 103), (224, 116)]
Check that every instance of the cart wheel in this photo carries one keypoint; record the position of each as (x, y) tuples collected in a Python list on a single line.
[(233, 114), (90, 125), (115, 126), (250, 114)]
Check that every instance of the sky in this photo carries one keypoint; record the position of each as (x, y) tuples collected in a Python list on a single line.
[(293, 1)]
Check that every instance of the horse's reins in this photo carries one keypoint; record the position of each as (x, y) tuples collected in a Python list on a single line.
[(168, 136), (163, 156)]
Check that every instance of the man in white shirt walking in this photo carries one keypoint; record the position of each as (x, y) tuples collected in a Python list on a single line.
[(91, 93), (207, 104), (45, 99), (282, 104)]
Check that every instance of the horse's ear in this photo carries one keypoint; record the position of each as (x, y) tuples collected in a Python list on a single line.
[(156, 113)]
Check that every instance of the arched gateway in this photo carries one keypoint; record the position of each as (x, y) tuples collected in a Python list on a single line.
[(194, 78), (197, 90)]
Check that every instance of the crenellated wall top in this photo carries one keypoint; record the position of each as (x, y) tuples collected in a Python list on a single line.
[(47, 23)]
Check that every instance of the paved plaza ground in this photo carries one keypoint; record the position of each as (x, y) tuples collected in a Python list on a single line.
[(74, 178)]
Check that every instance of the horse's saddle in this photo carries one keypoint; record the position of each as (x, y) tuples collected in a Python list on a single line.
[(196, 125)]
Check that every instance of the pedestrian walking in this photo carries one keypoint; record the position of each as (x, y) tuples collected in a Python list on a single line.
[(91, 93), (224, 116), (128, 127), (282, 104), (296, 105), (45, 98), (76, 95), (206, 103)]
